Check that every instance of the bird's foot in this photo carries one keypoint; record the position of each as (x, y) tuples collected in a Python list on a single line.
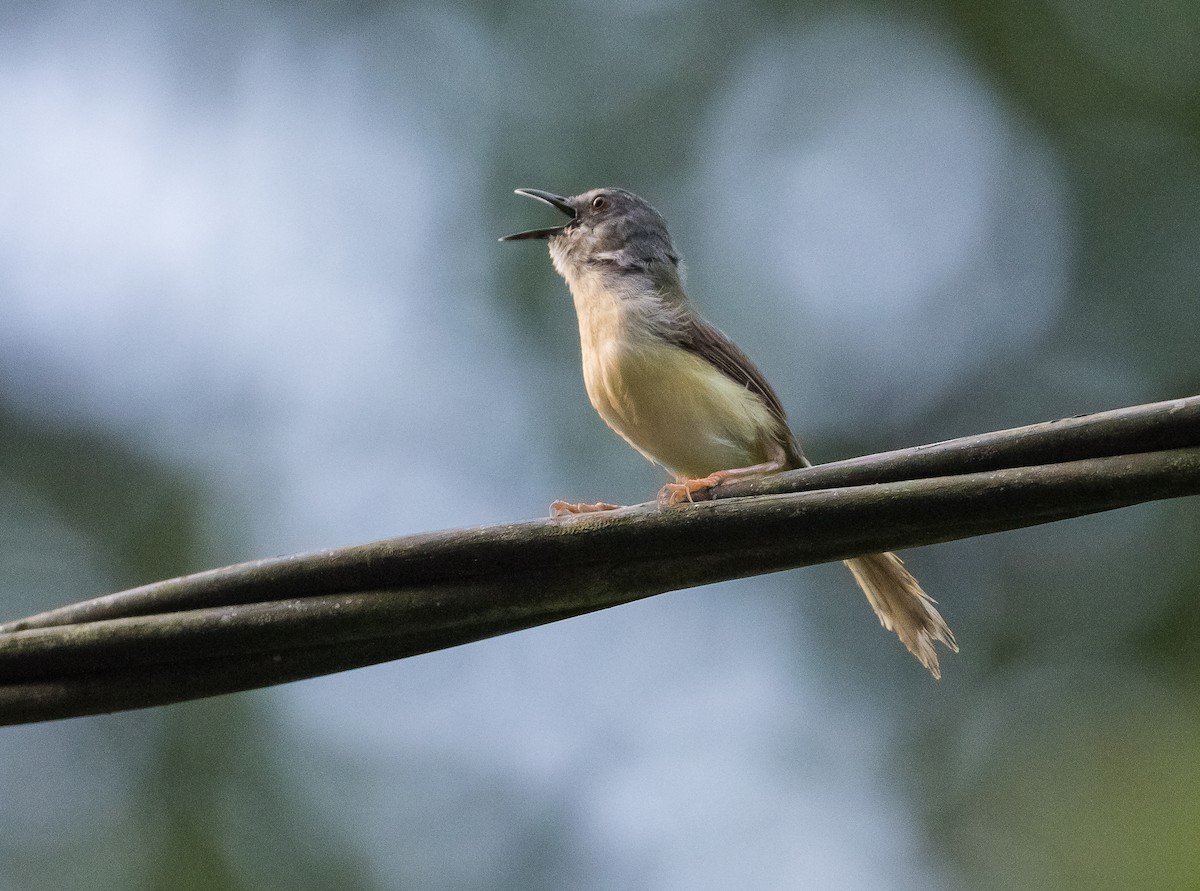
[(567, 509), (687, 490)]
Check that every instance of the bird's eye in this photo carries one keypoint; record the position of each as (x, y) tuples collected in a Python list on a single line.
[(599, 202)]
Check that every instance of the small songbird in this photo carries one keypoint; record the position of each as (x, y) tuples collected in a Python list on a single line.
[(679, 391)]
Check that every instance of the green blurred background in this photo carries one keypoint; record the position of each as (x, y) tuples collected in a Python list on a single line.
[(251, 303)]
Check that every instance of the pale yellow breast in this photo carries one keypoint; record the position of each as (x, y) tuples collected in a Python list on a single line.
[(668, 403), (675, 408)]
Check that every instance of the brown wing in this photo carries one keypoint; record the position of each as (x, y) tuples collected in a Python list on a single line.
[(710, 343)]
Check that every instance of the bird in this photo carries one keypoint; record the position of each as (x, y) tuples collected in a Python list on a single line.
[(679, 391)]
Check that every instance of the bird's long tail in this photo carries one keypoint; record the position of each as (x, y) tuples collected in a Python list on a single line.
[(902, 606)]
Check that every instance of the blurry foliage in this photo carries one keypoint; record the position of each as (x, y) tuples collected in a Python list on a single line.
[(1092, 783), (225, 811), (1172, 640), (206, 765), (145, 520), (1065, 757)]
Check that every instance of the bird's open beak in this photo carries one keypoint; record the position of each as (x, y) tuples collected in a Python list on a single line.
[(554, 201)]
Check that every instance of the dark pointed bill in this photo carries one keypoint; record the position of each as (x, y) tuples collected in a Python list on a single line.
[(557, 201)]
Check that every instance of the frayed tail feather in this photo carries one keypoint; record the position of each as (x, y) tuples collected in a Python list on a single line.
[(903, 607)]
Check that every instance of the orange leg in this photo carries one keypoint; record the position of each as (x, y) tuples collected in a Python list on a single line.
[(684, 489)]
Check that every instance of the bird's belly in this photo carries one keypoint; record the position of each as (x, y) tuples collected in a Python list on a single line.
[(677, 409)]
